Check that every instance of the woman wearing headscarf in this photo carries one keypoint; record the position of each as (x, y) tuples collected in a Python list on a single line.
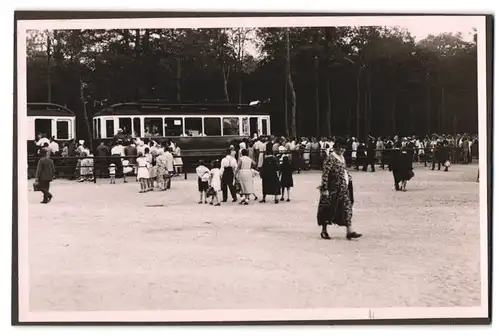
[(269, 174), (337, 197)]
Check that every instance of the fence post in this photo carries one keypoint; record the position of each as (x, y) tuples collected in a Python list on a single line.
[(94, 165)]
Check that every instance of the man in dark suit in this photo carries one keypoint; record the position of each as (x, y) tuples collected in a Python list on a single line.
[(370, 154), (44, 174)]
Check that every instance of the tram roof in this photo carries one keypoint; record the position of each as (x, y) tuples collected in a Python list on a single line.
[(126, 109), (48, 110)]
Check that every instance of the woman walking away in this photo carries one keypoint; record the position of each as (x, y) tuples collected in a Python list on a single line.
[(215, 182), (161, 169), (269, 175), (405, 165), (203, 176), (245, 176), (142, 172), (151, 170), (286, 178), (337, 197)]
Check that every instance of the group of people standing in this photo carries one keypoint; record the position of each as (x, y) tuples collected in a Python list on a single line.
[(236, 172)]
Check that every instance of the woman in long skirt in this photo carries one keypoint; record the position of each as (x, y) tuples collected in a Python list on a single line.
[(405, 166), (269, 174), (245, 177), (337, 197)]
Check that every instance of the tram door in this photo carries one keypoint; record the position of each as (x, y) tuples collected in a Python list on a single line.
[(254, 126)]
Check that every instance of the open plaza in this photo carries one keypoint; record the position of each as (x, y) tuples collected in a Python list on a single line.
[(107, 247)]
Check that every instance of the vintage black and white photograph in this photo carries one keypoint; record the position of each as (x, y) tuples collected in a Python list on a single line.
[(252, 168)]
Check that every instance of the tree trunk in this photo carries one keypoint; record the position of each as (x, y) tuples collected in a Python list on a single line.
[(358, 103), (138, 81), (85, 116), (287, 122), (318, 118), (178, 80), (328, 111), (366, 128), (443, 111), (225, 76), (393, 113), (429, 122), (49, 68), (293, 123)]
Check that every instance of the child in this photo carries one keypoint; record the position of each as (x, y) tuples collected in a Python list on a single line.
[(215, 182), (112, 173), (142, 172), (203, 177), (286, 178)]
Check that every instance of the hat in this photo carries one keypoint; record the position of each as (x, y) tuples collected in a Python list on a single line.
[(81, 142)]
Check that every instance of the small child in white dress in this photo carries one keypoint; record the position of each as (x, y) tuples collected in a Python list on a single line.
[(215, 182), (112, 173)]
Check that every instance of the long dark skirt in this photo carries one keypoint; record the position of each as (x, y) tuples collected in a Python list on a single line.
[(271, 186), (335, 208)]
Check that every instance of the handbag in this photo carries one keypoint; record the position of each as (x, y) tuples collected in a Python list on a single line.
[(324, 213), (210, 192), (237, 187), (36, 186), (447, 163)]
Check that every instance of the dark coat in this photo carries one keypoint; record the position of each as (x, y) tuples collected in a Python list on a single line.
[(45, 170), (269, 175)]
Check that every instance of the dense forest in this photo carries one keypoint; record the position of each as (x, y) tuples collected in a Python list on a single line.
[(318, 80)]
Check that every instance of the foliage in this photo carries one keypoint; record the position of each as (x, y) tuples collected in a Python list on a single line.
[(346, 80)]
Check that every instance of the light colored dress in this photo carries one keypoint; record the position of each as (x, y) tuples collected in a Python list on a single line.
[(142, 168), (178, 160), (245, 175), (215, 179), (170, 161)]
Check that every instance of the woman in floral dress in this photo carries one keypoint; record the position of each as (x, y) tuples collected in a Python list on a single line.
[(335, 206)]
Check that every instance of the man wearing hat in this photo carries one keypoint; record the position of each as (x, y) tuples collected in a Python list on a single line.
[(45, 171)]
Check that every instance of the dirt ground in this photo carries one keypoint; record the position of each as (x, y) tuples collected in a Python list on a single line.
[(107, 247)]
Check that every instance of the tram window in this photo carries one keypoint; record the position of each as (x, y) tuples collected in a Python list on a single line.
[(264, 126), (125, 124), (99, 127), (232, 126), (95, 129), (246, 126), (212, 126), (137, 128), (194, 126), (110, 128), (153, 127), (254, 126), (173, 126), (43, 127), (63, 129)]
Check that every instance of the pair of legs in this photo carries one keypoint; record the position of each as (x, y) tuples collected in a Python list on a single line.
[(44, 187), (350, 233), (203, 197), (216, 198), (287, 194), (263, 200), (403, 185), (228, 185), (112, 179), (144, 184)]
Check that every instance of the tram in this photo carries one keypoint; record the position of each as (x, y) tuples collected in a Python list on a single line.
[(192, 126), (49, 120)]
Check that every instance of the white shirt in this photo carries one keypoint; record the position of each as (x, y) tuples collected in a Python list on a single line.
[(54, 147), (203, 173), (118, 150), (42, 141), (228, 161), (112, 169)]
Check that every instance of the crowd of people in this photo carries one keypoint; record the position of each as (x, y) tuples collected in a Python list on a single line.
[(273, 159)]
